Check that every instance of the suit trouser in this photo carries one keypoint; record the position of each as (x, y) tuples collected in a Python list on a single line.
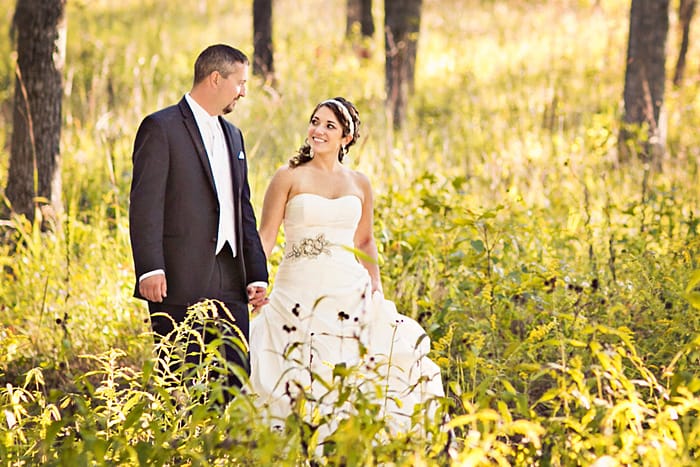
[(229, 290)]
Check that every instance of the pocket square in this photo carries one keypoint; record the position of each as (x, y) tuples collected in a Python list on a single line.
[(241, 155)]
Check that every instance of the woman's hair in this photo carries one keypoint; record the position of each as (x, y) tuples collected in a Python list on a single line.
[(349, 119)]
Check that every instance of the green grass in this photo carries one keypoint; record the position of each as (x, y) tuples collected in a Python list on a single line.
[(553, 282)]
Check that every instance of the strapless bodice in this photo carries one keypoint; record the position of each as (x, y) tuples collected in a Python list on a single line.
[(315, 225)]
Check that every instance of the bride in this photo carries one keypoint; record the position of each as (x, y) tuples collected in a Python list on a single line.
[(326, 315)]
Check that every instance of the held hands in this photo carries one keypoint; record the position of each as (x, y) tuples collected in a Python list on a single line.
[(154, 288), (257, 296)]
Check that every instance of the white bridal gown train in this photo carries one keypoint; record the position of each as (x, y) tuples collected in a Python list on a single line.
[(322, 313)]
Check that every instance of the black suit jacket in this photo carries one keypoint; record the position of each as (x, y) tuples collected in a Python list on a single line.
[(174, 209)]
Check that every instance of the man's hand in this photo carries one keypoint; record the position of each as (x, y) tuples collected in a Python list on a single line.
[(154, 288), (257, 296)]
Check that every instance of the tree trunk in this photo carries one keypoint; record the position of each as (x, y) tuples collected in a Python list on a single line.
[(263, 64), (359, 12), (645, 82), (686, 10), (401, 28), (34, 177)]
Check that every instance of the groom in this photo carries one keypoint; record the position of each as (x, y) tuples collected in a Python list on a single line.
[(192, 226)]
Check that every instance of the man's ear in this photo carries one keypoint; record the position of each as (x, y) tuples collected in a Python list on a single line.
[(214, 77)]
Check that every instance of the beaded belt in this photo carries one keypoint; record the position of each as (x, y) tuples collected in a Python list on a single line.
[(309, 247)]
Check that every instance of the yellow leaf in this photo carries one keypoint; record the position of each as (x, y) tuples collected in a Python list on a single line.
[(694, 299), (549, 395), (694, 280)]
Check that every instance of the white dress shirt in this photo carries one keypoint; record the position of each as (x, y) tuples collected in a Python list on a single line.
[(217, 150)]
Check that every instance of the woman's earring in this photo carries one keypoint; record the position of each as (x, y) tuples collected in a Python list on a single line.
[(311, 151)]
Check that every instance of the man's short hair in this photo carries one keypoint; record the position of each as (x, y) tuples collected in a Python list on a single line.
[(218, 57)]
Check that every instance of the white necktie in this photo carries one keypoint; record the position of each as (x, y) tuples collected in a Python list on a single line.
[(221, 169)]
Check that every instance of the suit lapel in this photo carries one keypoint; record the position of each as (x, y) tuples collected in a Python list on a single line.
[(191, 126), (234, 148)]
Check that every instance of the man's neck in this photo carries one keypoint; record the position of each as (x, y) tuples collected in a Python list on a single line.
[(199, 97)]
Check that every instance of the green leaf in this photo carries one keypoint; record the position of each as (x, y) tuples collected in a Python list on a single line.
[(478, 245), (341, 370), (694, 281), (694, 299), (508, 387), (133, 416), (504, 411), (360, 254), (549, 395)]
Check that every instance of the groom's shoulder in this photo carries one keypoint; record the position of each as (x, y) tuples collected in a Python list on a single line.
[(165, 114)]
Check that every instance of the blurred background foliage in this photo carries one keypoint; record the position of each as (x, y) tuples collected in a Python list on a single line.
[(555, 284)]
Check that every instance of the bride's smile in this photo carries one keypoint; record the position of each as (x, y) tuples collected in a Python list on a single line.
[(325, 133)]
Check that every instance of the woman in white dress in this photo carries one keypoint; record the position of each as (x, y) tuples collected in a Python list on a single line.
[(327, 324)]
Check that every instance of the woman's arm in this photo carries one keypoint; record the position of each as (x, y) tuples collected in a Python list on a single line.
[(274, 204), (364, 236)]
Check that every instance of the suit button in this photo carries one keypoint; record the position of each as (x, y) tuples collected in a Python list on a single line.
[(213, 240)]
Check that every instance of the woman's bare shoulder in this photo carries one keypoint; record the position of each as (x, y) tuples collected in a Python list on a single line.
[(360, 179), (285, 172)]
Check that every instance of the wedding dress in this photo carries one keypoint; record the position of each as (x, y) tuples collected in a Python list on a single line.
[(322, 314)]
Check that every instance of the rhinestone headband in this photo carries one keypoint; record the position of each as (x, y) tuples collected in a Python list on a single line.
[(346, 113)]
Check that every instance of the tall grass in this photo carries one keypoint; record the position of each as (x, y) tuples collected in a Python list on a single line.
[(553, 282)]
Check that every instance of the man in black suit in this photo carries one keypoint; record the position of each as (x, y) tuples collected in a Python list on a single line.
[(193, 229)]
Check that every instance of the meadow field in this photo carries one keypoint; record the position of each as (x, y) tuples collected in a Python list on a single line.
[(559, 287)]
